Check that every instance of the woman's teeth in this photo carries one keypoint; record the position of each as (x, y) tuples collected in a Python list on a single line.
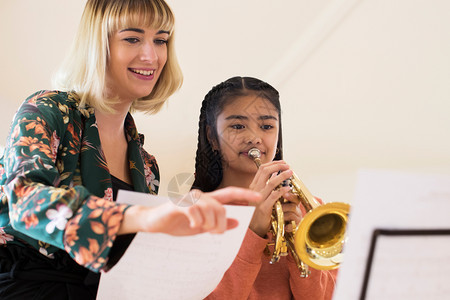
[(142, 72)]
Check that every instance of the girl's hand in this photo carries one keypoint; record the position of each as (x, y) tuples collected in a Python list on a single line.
[(265, 182), (207, 214), (291, 212)]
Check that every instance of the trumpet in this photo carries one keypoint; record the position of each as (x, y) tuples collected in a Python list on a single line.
[(319, 238)]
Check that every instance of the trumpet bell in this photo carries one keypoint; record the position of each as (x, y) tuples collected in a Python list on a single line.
[(321, 235)]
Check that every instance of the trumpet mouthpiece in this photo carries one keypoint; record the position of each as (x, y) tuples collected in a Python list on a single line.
[(254, 153)]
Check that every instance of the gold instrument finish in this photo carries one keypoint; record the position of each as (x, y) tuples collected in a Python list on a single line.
[(277, 220), (319, 239)]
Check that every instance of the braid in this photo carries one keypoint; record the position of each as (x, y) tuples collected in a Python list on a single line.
[(208, 163)]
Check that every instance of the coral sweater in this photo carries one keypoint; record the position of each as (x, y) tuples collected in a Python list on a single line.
[(251, 276)]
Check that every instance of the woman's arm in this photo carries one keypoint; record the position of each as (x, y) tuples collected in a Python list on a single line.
[(207, 214), (37, 207), (46, 210)]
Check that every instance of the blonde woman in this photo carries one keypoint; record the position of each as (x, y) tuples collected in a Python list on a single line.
[(71, 149)]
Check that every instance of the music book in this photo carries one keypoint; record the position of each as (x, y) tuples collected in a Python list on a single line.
[(160, 266), (398, 238)]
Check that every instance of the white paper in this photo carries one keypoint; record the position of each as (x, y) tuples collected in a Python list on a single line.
[(394, 200), (160, 266), (410, 267)]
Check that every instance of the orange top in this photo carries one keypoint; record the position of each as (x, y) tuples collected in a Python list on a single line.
[(251, 276)]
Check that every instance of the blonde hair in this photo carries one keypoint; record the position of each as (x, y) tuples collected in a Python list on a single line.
[(84, 69)]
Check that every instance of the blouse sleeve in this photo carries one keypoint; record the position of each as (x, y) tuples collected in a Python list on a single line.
[(237, 283), (68, 218)]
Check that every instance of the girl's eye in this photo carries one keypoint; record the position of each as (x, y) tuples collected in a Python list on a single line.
[(132, 40), (266, 127), (237, 126), (161, 42)]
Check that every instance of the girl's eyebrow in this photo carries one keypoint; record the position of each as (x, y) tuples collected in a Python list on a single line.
[(236, 117), (268, 117), (139, 30), (241, 117)]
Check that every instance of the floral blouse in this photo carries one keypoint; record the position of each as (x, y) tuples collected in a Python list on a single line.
[(55, 186)]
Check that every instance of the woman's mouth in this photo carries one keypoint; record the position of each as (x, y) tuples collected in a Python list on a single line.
[(143, 73)]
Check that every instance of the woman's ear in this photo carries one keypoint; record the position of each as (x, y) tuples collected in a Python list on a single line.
[(211, 138)]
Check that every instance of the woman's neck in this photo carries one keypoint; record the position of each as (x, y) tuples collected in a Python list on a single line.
[(111, 124)]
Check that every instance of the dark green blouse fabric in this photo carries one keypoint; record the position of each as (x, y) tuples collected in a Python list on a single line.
[(55, 186)]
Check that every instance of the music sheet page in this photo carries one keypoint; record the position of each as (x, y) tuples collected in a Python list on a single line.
[(160, 266), (410, 267), (404, 266)]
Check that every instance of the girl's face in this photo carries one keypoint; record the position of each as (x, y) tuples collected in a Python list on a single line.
[(137, 58), (247, 122)]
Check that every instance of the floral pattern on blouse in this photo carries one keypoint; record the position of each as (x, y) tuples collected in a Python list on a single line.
[(55, 186)]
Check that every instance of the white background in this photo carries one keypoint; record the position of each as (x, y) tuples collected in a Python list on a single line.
[(364, 84)]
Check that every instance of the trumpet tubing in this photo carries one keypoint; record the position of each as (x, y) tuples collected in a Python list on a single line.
[(319, 239)]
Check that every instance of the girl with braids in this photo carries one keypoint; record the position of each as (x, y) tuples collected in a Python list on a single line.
[(236, 115), (71, 149)]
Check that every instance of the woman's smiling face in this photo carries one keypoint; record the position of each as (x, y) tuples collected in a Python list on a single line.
[(137, 58)]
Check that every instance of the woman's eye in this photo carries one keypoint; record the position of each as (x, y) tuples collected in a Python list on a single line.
[(266, 127), (161, 42), (132, 40)]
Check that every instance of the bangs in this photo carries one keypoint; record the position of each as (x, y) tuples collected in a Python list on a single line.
[(140, 13)]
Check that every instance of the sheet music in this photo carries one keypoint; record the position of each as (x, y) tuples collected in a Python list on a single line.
[(160, 266), (394, 200), (411, 267)]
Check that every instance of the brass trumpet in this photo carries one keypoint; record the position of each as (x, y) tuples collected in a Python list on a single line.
[(319, 239)]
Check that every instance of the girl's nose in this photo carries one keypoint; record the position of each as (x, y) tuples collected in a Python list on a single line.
[(253, 138)]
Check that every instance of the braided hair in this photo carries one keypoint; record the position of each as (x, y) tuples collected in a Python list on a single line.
[(208, 162)]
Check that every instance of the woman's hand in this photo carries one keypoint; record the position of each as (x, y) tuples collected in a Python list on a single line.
[(207, 214), (265, 182)]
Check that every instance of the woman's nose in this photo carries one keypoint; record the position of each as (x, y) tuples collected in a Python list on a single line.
[(148, 53)]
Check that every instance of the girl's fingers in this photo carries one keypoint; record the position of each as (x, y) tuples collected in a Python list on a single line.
[(292, 198), (290, 207), (289, 227), (265, 171), (260, 222), (292, 212), (275, 181), (274, 196), (290, 216)]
